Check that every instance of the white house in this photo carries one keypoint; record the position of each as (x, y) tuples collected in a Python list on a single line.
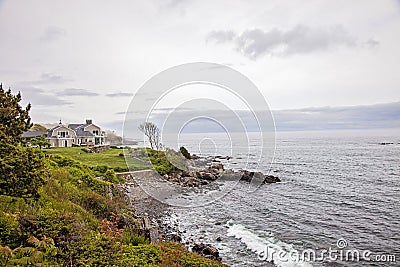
[(85, 134)]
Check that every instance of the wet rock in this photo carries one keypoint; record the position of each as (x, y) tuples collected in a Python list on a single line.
[(269, 179), (206, 251), (248, 176), (174, 238)]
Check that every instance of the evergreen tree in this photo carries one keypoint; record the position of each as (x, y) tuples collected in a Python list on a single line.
[(21, 168), (14, 120)]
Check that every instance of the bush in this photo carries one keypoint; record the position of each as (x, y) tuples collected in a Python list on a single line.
[(8, 233), (130, 238), (100, 170), (22, 170), (121, 169), (160, 162)]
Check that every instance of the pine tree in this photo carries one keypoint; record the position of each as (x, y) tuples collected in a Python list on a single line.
[(14, 120), (21, 168)]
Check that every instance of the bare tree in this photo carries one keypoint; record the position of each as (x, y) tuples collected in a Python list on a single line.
[(152, 132)]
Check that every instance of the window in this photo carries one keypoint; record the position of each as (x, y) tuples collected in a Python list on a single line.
[(62, 134), (95, 132)]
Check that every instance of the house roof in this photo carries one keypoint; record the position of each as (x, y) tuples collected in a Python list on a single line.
[(74, 126), (81, 133), (32, 134)]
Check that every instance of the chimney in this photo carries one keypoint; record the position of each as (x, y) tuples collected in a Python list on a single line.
[(88, 121)]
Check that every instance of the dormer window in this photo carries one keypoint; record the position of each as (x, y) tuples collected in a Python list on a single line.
[(62, 134)]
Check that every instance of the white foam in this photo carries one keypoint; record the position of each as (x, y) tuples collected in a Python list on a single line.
[(265, 245)]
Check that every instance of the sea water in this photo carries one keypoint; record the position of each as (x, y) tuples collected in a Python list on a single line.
[(339, 191)]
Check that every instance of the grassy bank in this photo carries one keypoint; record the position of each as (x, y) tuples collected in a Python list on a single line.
[(111, 158), (75, 222)]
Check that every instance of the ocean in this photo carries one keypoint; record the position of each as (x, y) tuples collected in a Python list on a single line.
[(338, 203)]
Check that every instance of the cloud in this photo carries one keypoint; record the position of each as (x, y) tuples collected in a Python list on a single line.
[(38, 97), (298, 40), (372, 43), (77, 92), (47, 78), (174, 3), (221, 36), (53, 78), (119, 94), (52, 34)]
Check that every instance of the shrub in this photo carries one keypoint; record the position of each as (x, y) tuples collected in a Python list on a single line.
[(110, 176), (8, 233), (22, 170), (130, 238)]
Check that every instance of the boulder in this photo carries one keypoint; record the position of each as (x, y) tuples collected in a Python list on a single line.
[(248, 176), (269, 179), (217, 166), (206, 251), (209, 176)]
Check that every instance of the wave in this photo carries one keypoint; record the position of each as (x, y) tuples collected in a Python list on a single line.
[(266, 248)]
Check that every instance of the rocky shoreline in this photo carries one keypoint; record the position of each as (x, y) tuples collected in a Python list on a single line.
[(152, 213), (205, 176)]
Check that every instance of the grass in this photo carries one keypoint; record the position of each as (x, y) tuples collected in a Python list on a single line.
[(75, 223), (110, 158)]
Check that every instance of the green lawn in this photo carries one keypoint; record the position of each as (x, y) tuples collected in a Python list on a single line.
[(110, 157)]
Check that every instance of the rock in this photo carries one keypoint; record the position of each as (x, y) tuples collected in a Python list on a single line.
[(248, 176), (174, 238), (209, 176), (207, 251), (219, 239), (269, 179), (218, 166)]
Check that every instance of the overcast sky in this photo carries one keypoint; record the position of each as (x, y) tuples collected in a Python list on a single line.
[(85, 59)]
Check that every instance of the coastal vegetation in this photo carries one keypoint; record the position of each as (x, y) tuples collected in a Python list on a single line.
[(110, 158), (56, 211), (39, 141)]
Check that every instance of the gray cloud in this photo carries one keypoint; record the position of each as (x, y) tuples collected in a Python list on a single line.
[(52, 34), (119, 94), (38, 97), (300, 39), (372, 43), (53, 78), (221, 36), (174, 3), (47, 78), (77, 92)]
